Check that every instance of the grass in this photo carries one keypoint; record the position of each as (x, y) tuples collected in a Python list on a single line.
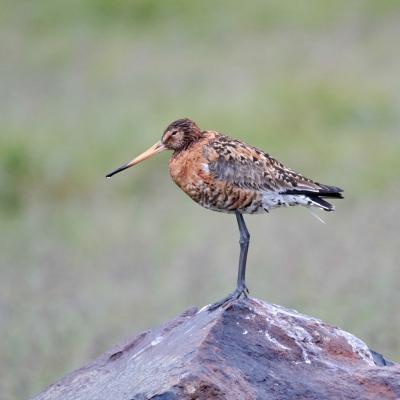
[(88, 85)]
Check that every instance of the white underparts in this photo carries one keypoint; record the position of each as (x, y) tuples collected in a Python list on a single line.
[(273, 200)]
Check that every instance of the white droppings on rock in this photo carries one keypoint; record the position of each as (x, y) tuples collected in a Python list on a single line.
[(188, 330), (203, 308), (157, 340), (190, 388), (305, 355), (275, 341), (136, 355), (310, 344), (245, 332), (301, 334), (277, 310), (282, 318), (302, 339), (358, 346), (154, 342)]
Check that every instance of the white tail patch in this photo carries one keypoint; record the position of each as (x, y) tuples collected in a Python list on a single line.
[(272, 200)]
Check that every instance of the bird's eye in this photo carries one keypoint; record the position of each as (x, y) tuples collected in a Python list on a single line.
[(174, 133)]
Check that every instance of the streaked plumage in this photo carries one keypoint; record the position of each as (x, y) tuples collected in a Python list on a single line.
[(224, 174), (227, 175)]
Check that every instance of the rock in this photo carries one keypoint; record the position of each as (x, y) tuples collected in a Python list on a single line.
[(250, 350)]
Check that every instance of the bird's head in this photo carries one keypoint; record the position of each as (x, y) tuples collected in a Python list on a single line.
[(177, 137), (180, 134)]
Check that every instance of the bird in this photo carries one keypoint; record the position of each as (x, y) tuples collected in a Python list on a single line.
[(227, 175)]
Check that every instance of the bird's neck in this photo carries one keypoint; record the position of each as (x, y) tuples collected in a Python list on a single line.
[(191, 139)]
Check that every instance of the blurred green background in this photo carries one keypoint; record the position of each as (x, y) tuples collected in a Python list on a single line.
[(87, 85)]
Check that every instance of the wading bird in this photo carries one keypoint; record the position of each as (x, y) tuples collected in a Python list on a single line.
[(227, 175)]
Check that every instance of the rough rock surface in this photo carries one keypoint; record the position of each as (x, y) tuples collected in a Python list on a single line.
[(250, 350)]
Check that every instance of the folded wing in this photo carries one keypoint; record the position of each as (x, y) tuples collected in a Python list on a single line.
[(247, 167)]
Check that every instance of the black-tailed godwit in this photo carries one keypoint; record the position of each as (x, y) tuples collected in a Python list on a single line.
[(228, 175)]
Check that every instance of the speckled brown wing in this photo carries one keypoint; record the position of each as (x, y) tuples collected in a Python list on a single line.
[(247, 167)]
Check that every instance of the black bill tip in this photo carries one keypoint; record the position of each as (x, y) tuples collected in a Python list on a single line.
[(117, 170)]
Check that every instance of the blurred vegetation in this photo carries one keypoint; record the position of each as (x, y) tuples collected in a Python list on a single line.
[(87, 85)]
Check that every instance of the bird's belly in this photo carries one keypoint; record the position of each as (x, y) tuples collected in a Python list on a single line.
[(219, 196), (227, 198)]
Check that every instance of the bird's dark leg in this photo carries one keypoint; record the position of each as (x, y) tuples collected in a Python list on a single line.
[(244, 247), (241, 288)]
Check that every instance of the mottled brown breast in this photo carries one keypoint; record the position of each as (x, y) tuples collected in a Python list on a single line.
[(187, 170), (190, 170)]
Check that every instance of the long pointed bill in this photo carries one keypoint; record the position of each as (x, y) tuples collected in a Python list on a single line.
[(157, 148)]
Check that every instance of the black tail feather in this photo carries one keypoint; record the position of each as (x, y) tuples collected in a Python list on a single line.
[(317, 197), (330, 191), (322, 203), (324, 191)]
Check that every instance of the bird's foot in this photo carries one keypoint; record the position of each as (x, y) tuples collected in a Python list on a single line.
[(239, 291), (246, 291)]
